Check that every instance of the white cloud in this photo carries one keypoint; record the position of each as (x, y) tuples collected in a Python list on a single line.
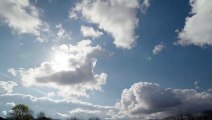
[(90, 32), (198, 28), (22, 16), (86, 113), (145, 5), (53, 108), (7, 86), (12, 71), (12, 104), (148, 100), (142, 100), (62, 34), (70, 70), (158, 48), (4, 112), (116, 17)]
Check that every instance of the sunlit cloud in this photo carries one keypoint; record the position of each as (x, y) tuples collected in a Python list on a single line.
[(70, 70)]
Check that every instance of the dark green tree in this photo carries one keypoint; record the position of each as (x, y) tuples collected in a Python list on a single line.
[(20, 112), (94, 118), (42, 116), (73, 118)]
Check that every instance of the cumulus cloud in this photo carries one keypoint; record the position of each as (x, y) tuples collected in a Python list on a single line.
[(71, 70), (90, 32), (198, 27), (22, 17), (6, 86), (148, 100), (116, 17), (53, 108), (158, 48)]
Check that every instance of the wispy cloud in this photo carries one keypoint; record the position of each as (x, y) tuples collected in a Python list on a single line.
[(158, 48), (7, 86)]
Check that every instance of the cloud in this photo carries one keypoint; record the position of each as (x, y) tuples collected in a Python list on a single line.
[(145, 5), (71, 70), (22, 17), (6, 86), (116, 17), (196, 84), (12, 104), (12, 71), (90, 32), (148, 100), (53, 108), (62, 34), (50, 94), (158, 48), (198, 27), (142, 100), (86, 113)]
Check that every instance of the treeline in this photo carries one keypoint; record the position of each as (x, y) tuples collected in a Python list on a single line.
[(22, 112), (207, 115)]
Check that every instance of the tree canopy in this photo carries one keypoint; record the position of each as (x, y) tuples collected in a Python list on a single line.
[(20, 112)]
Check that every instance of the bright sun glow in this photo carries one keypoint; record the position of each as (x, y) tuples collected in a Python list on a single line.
[(61, 61)]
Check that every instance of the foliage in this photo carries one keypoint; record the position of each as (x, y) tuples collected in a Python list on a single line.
[(20, 112), (42, 116), (73, 118), (96, 118)]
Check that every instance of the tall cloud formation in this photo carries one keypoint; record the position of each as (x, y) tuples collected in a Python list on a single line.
[(70, 71), (198, 28), (21, 16), (148, 100), (116, 17), (6, 86)]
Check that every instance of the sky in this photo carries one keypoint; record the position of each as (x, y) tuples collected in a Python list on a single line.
[(113, 59)]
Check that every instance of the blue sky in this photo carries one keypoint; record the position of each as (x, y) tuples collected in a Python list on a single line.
[(107, 56)]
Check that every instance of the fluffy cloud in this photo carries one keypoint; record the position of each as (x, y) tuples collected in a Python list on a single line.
[(198, 28), (90, 32), (116, 17), (146, 100), (70, 71), (53, 108), (21, 16), (158, 48), (7, 86)]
